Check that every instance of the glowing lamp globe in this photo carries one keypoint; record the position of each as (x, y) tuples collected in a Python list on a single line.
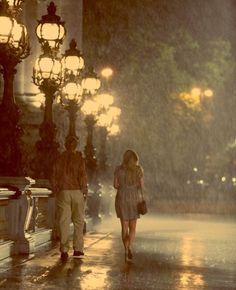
[(114, 130), (6, 27), (107, 72), (72, 92), (114, 112), (104, 120), (208, 93), (90, 108), (47, 68), (91, 83), (50, 28), (72, 60), (104, 100), (19, 34)]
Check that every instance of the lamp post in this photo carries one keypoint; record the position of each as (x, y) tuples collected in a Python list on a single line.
[(104, 101), (90, 85), (107, 74), (14, 47), (72, 91), (90, 108), (47, 75), (71, 98), (105, 122), (107, 127), (104, 173)]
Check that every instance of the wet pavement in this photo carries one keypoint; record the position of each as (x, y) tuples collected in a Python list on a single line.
[(189, 252)]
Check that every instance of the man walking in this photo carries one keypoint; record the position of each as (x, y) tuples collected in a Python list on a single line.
[(69, 182)]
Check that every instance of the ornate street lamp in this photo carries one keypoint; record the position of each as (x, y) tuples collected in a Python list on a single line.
[(50, 28), (90, 110), (14, 47), (48, 76), (106, 74), (104, 101), (72, 61), (105, 122), (71, 99), (91, 83), (72, 91)]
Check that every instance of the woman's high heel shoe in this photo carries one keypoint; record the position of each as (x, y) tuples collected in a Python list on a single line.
[(130, 255), (126, 255)]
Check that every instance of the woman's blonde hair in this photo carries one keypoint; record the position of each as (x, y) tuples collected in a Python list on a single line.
[(130, 165), (128, 156)]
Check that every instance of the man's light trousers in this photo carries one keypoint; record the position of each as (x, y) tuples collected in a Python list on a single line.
[(70, 206)]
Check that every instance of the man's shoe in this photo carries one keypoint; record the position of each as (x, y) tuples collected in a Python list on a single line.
[(78, 254), (64, 256)]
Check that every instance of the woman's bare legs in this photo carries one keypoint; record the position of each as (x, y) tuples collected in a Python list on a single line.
[(125, 233), (132, 231), (128, 235)]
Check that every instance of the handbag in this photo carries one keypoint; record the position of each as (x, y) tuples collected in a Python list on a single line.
[(142, 206)]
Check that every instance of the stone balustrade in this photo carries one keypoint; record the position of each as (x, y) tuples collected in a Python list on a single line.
[(27, 215)]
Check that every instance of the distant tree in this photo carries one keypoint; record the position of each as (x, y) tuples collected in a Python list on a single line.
[(156, 57)]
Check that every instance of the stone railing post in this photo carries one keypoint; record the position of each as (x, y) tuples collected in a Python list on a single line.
[(18, 213)]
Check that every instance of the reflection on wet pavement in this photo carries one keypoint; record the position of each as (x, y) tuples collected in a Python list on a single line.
[(170, 253)]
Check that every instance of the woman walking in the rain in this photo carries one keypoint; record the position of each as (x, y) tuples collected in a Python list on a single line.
[(128, 180)]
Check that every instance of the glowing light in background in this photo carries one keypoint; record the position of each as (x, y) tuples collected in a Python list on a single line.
[(114, 130), (104, 100), (114, 112), (104, 120), (223, 178), (208, 93), (72, 63), (107, 72), (90, 107), (196, 92), (72, 91), (194, 98)]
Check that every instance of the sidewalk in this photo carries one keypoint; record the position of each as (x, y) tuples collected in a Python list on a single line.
[(34, 271), (170, 253)]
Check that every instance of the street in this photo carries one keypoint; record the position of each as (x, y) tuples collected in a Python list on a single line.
[(171, 252)]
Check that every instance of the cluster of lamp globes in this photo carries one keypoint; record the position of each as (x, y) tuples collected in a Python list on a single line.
[(76, 87), (66, 73)]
